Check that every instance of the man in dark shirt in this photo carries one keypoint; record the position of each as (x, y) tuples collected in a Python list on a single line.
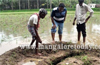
[(58, 16)]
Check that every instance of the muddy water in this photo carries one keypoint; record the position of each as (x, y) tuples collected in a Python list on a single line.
[(70, 34), (8, 42), (30, 61)]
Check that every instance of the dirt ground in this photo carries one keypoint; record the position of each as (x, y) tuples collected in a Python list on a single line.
[(70, 56)]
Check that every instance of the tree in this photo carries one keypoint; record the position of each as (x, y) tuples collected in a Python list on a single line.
[(32, 4), (19, 4), (12, 4), (50, 5), (28, 4), (47, 3), (37, 4)]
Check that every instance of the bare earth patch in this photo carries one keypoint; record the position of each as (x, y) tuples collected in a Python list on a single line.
[(20, 56)]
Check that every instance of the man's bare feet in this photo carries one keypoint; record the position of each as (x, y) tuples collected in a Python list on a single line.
[(30, 46), (78, 42), (53, 42), (39, 54), (60, 41), (84, 43)]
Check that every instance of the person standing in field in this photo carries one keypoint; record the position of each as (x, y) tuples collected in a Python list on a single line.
[(58, 16), (80, 16), (33, 25)]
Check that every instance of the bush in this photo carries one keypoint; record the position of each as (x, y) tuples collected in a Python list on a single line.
[(96, 9)]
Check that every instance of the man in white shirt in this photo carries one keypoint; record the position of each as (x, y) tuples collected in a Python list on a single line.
[(33, 25), (80, 17)]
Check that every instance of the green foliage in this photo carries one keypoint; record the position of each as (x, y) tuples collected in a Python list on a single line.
[(86, 60), (96, 9), (23, 4)]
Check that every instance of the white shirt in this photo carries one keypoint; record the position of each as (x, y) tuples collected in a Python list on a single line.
[(33, 20), (81, 12)]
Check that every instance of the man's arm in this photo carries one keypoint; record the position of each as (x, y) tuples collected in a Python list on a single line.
[(87, 19), (52, 20), (74, 21), (54, 26), (37, 35), (75, 15), (91, 13), (52, 14), (35, 22), (65, 16)]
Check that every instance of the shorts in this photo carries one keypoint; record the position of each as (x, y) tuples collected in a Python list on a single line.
[(32, 31), (60, 28), (82, 27)]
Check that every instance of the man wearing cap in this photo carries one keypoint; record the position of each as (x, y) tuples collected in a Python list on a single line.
[(80, 17), (33, 25), (58, 16)]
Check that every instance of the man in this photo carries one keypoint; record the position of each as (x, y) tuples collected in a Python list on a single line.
[(80, 16), (33, 25), (58, 16)]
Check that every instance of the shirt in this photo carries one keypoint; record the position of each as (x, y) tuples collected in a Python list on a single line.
[(34, 19), (81, 12), (58, 16)]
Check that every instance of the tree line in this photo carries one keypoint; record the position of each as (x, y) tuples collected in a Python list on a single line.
[(36, 4)]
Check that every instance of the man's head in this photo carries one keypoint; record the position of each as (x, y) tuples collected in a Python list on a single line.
[(42, 13), (61, 7), (80, 2)]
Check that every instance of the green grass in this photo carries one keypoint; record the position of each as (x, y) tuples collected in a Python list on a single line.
[(34, 10), (86, 60), (23, 10), (16, 23)]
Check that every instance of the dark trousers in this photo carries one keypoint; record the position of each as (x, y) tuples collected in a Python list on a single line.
[(82, 27)]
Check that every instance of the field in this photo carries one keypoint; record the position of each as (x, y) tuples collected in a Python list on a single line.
[(16, 22)]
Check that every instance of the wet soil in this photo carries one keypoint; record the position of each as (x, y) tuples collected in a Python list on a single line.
[(70, 56)]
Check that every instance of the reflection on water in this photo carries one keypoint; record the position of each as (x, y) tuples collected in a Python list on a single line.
[(8, 42), (4, 37), (96, 29), (30, 63), (70, 34)]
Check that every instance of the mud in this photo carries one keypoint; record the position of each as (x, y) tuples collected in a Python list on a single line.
[(70, 56)]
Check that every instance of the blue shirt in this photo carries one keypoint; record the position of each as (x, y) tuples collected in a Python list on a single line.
[(58, 16)]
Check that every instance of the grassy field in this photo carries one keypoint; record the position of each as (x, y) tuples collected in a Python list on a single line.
[(16, 22)]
